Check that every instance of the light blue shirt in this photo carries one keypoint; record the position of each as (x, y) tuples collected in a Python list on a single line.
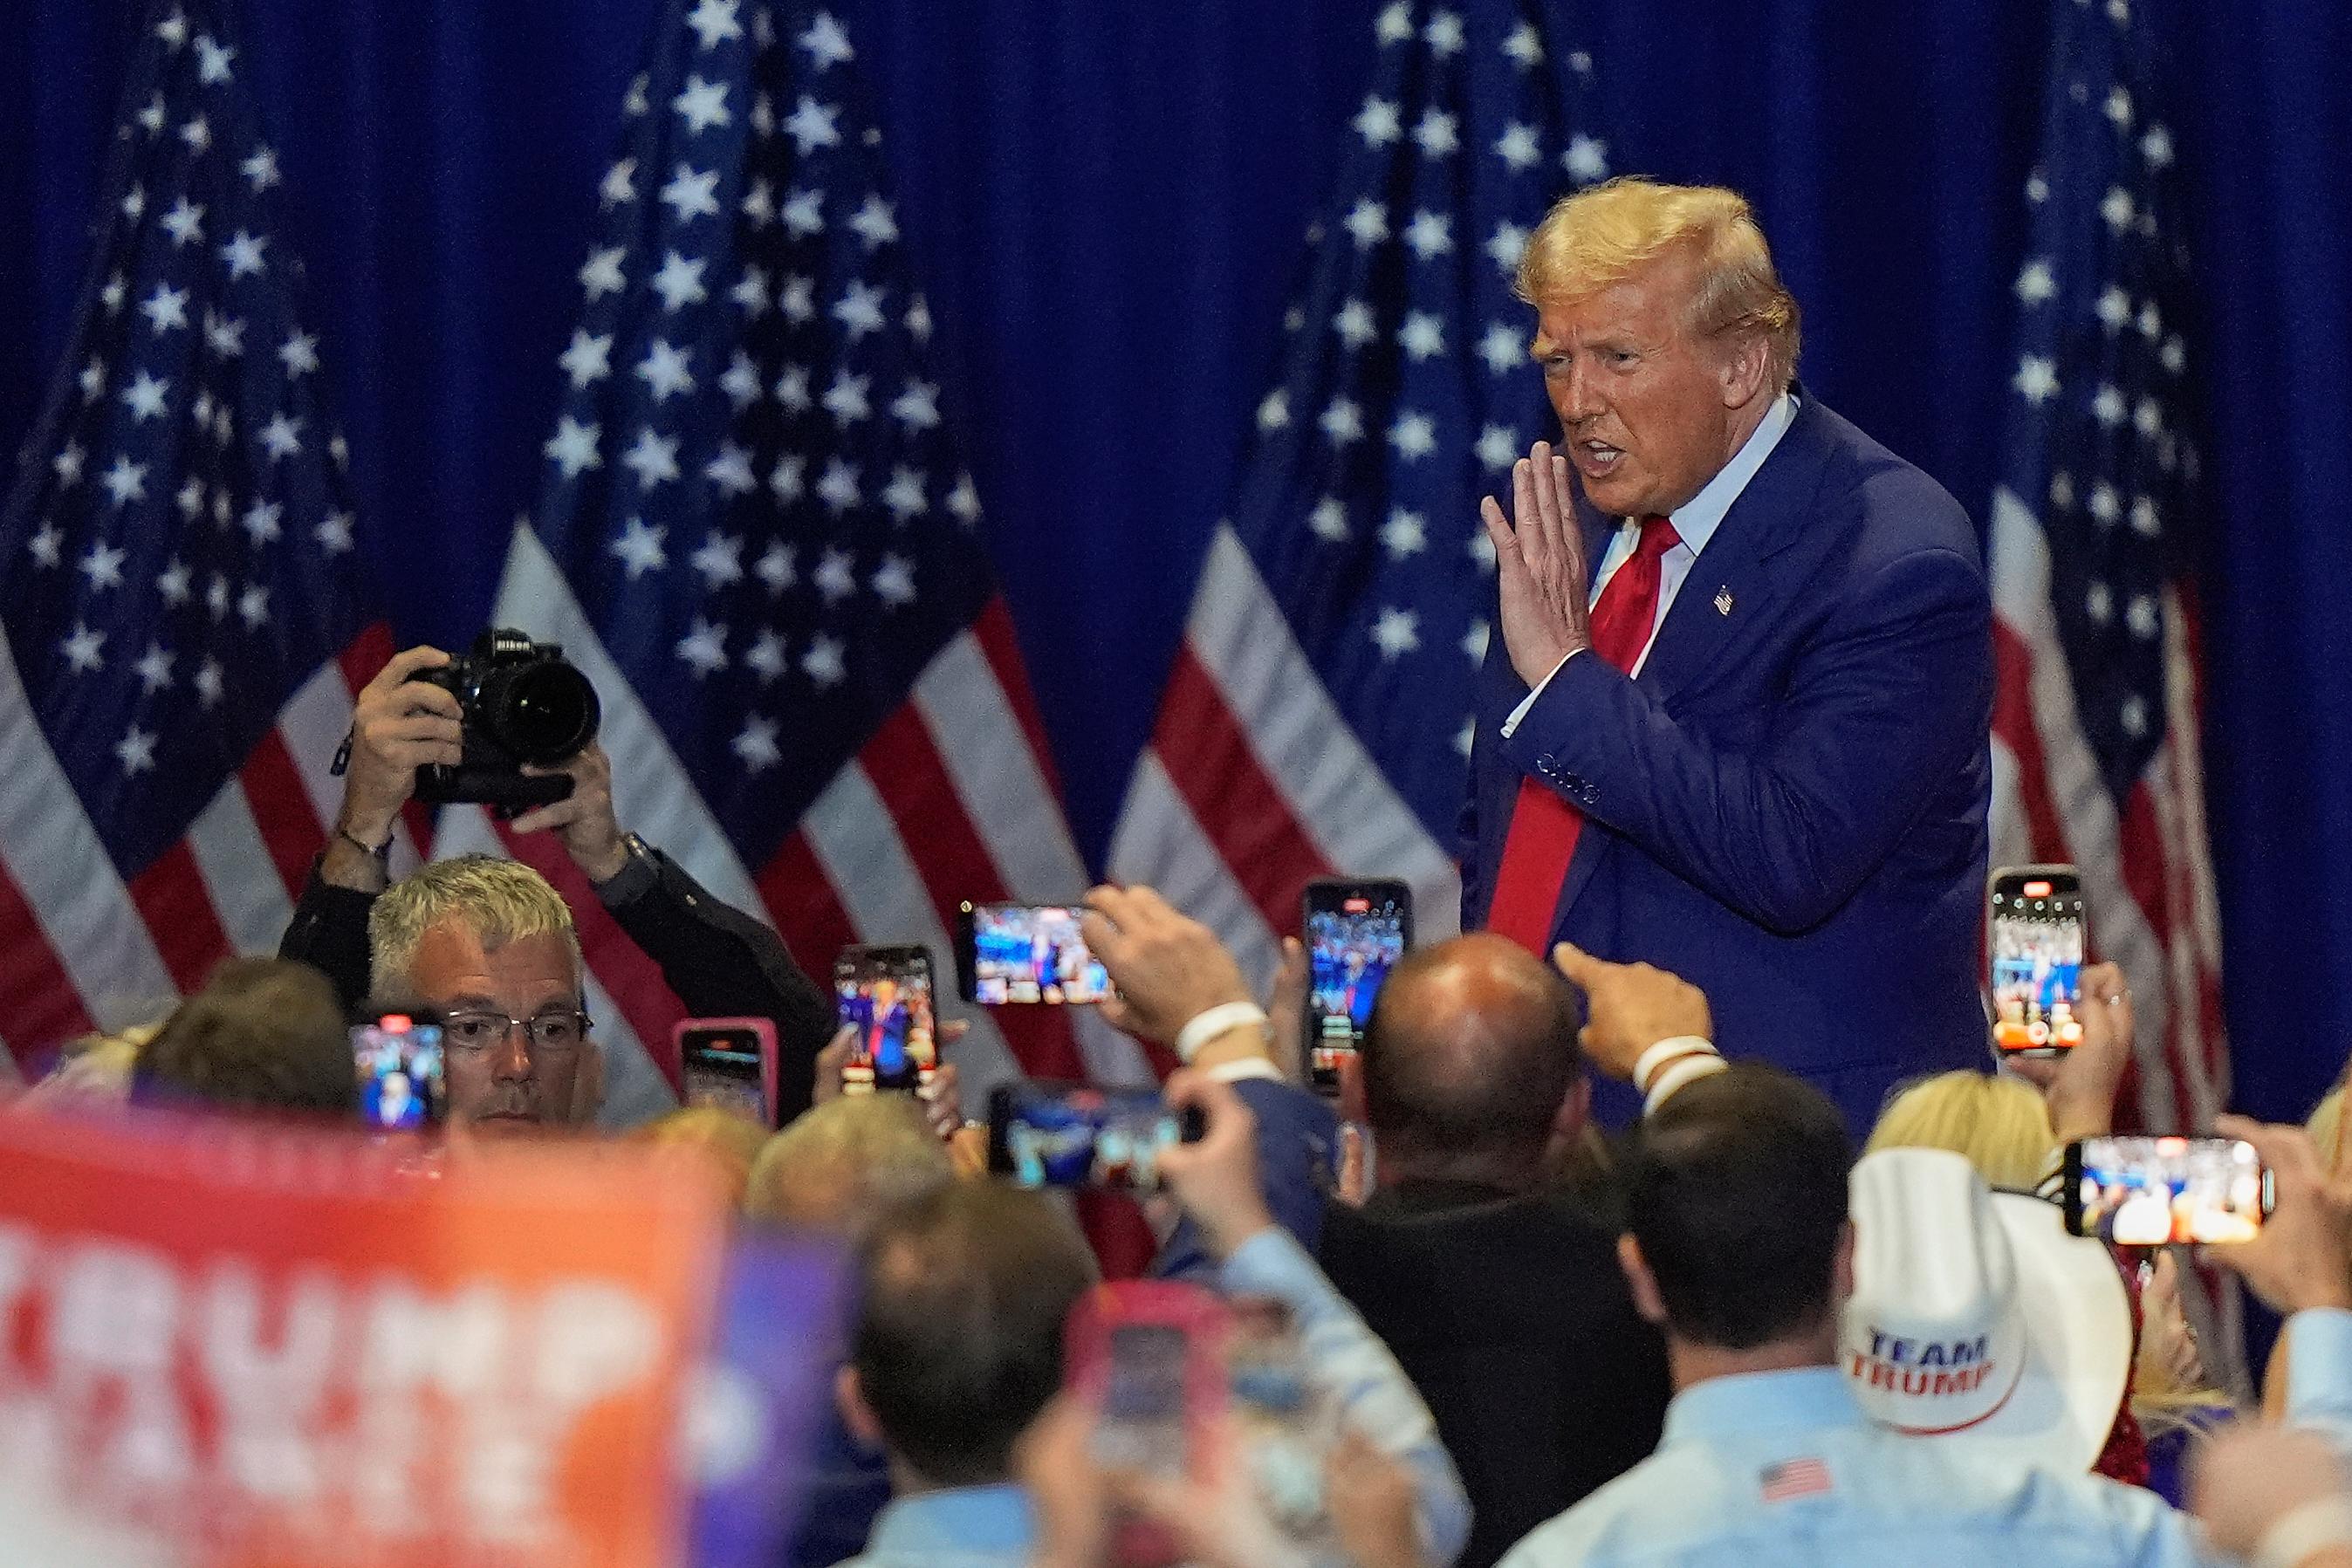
[(1850, 1491), (993, 1527)]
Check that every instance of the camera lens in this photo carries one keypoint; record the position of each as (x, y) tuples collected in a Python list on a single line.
[(548, 711)]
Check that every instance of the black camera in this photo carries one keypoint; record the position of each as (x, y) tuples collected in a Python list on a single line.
[(522, 704)]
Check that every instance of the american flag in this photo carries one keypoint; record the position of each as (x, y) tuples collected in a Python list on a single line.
[(184, 619), (1794, 1479), (1318, 715), (756, 537), (2096, 728)]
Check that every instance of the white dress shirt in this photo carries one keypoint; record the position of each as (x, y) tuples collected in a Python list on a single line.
[(1694, 521)]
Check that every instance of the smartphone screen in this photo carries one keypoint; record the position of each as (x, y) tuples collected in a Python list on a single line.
[(1141, 1424), (1015, 954), (883, 994), (400, 1068), (723, 1068), (1355, 932), (2036, 941), (2147, 1192), (1048, 1134)]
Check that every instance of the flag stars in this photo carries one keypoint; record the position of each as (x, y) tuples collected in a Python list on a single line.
[(1430, 235), (812, 125), (804, 214), (1444, 34), (2036, 380), (1465, 739), (704, 648), (210, 687), (1502, 347), (2113, 308), (299, 354), (93, 379), (918, 319), (1414, 436), (732, 470), (572, 447), (633, 102), (216, 596), (750, 293), (2134, 715), (2147, 418), (602, 275), (797, 298), (825, 662), (837, 485), (1378, 122), (136, 752), (1396, 632), (2036, 282), (2107, 405), (1423, 336), (619, 184), (826, 43), (1498, 446), (904, 496), (741, 382), (963, 501), (1404, 534), (2099, 603), (719, 561), (84, 649), (836, 577), (144, 399), (2117, 209), (652, 458), (134, 202), (2150, 322), (1506, 246), (690, 195), (172, 583), (1353, 322), (665, 370), (874, 222), (755, 744), (759, 204), (1367, 222), (261, 170), (702, 105), (2118, 109), (223, 335), (1481, 551), (2173, 356), (1274, 412), (261, 522), (639, 548), (1342, 422), (2061, 491), (894, 583), (2104, 505), (125, 481), (765, 656), (150, 118), (113, 295), (253, 607), (588, 359), (166, 309), (281, 437), (184, 222), (67, 466), (243, 255), (2144, 520), (1395, 23), (2141, 618), (154, 668), (197, 133), (333, 533), (859, 310), (793, 389), (777, 569), (2156, 147), (1436, 134), (212, 60), (845, 399), (1524, 47), (1586, 160), (1474, 641), (916, 406), (679, 282), (102, 565), (1517, 148), (173, 30), (714, 22), (1329, 520)]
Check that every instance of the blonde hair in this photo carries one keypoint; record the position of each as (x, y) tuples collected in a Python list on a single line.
[(2326, 1129), (2000, 1124), (838, 1165), (499, 901), (728, 1140), (1599, 237)]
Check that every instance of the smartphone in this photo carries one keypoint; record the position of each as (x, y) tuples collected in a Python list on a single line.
[(400, 1064), (1008, 955), (884, 995), (2035, 937), (730, 1063), (1355, 932), (1072, 1135), (2147, 1192), (1148, 1357)]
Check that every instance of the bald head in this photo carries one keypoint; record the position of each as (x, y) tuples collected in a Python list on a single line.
[(1470, 1057)]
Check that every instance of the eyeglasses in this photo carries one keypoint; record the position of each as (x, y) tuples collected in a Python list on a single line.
[(554, 1033)]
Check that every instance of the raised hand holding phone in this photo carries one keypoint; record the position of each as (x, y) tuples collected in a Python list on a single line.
[(1169, 969), (1216, 1180)]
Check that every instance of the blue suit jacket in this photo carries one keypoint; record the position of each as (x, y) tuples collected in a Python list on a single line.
[(1788, 806)]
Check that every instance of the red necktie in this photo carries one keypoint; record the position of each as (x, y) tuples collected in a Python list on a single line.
[(1544, 828)]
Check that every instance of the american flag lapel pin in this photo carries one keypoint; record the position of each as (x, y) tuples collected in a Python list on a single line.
[(1723, 599)]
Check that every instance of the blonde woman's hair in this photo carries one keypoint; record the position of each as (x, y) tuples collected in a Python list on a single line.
[(730, 1141), (838, 1165), (499, 901), (2000, 1124), (1599, 237)]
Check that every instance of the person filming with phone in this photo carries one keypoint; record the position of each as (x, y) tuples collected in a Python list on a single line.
[(512, 725)]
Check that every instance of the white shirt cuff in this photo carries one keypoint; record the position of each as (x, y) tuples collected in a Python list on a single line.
[(1529, 701)]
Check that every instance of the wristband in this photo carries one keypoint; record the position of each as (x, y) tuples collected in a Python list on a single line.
[(381, 854), (1685, 1070), (2305, 1533), (1666, 1050), (1207, 1026)]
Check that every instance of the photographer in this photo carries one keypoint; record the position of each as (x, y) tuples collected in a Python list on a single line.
[(720, 962)]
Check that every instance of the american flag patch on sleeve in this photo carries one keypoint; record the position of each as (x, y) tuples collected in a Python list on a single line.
[(1794, 1479)]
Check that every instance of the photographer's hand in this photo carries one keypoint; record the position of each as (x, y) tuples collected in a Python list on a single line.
[(398, 725), (592, 835)]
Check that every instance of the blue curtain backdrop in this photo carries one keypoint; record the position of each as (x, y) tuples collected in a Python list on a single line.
[(1106, 201)]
